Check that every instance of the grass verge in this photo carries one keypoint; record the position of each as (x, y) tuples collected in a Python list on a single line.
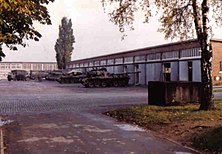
[(210, 140), (185, 124), (217, 90)]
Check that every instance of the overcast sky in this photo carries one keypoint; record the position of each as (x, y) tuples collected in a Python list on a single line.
[(94, 34)]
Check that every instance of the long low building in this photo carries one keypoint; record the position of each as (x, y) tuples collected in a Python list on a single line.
[(178, 61), (6, 67)]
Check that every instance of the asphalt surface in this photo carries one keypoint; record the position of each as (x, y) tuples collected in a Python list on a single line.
[(50, 118)]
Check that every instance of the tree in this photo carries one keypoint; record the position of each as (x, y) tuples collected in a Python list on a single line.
[(179, 18), (16, 21), (64, 44)]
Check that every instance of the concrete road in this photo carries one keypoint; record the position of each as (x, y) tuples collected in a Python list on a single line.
[(51, 118)]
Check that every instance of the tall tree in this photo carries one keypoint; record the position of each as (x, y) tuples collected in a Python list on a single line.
[(179, 18), (16, 21), (64, 44)]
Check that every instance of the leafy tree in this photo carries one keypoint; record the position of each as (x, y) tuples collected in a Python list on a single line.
[(16, 21), (64, 44), (179, 18)]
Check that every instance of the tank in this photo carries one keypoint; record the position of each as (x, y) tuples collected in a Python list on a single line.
[(71, 77), (18, 75), (102, 78), (54, 75)]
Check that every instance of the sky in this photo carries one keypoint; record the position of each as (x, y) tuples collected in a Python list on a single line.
[(94, 34)]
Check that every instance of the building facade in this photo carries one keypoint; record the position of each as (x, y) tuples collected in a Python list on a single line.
[(178, 61), (6, 67)]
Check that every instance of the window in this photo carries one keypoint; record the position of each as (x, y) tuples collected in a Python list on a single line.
[(86, 64), (103, 62), (97, 63), (195, 52), (110, 62), (155, 56), (170, 55), (128, 60), (91, 64), (118, 60), (140, 58), (37, 66), (2, 66), (220, 66)]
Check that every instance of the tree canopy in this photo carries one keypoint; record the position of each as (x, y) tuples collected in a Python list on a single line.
[(64, 44), (16, 21), (178, 18)]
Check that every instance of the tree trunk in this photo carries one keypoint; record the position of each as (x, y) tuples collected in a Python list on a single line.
[(206, 58)]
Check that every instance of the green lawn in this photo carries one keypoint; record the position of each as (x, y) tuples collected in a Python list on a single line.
[(152, 117)]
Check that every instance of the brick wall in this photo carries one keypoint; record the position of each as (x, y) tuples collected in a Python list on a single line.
[(217, 58)]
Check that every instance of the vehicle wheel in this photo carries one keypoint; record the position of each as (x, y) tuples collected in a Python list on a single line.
[(91, 84), (86, 85), (72, 80), (122, 83), (115, 83), (27, 79), (104, 84), (59, 81), (97, 84)]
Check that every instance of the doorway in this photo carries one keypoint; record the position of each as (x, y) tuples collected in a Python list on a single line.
[(190, 71), (167, 71)]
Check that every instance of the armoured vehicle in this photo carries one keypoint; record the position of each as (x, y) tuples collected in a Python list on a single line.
[(18, 75), (102, 78), (36, 74), (71, 77), (54, 75)]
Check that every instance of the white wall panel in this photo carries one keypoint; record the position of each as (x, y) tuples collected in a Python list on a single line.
[(149, 72), (174, 71), (118, 69), (183, 71), (130, 68), (196, 71), (142, 75), (110, 69), (158, 72)]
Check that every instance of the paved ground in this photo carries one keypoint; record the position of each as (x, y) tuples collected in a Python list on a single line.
[(51, 118)]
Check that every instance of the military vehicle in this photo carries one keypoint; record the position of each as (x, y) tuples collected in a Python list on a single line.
[(102, 78), (71, 77), (38, 75), (54, 75), (18, 75)]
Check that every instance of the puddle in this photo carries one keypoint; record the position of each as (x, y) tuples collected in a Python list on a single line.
[(128, 127), (61, 140), (91, 128), (33, 139), (49, 126)]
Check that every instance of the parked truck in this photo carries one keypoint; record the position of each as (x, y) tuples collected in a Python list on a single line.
[(18, 75)]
